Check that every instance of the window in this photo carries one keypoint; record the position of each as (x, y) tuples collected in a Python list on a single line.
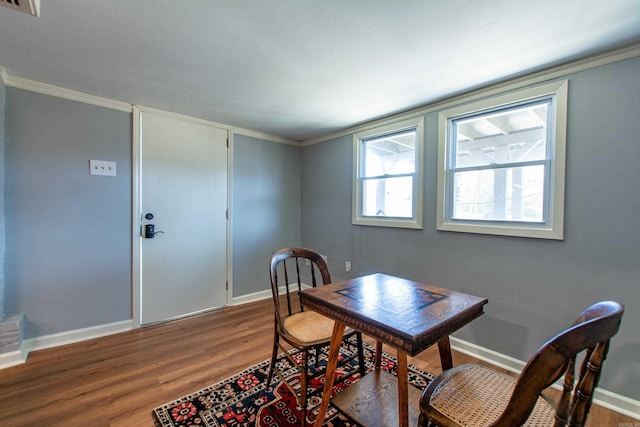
[(387, 187), (501, 164)]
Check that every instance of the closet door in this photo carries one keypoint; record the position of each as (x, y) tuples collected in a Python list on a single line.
[(183, 196)]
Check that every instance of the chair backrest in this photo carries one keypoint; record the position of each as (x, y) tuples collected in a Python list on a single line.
[(590, 333), (290, 268)]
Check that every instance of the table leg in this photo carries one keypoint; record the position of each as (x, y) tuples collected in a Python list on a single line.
[(444, 347), (403, 390), (332, 363)]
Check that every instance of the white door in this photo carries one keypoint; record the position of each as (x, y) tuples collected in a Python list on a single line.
[(183, 194)]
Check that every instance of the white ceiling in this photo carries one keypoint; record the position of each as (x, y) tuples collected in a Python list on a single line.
[(301, 69)]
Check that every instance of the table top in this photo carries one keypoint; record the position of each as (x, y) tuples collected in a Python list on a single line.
[(404, 314)]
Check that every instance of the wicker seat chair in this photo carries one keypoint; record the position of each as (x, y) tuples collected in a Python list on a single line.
[(474, 395), (306, 331)]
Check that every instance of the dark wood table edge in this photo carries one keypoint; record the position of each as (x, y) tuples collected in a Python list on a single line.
[(373, 328)]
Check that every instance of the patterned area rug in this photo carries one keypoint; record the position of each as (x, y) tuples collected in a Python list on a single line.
[(242, 400)]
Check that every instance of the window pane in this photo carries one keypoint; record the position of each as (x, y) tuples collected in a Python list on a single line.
[(388, 197), (390, 154), (511, 135), (509, 194), (388, 175)]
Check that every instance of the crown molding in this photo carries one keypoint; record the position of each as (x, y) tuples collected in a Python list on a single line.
[(264, 136), (46, 89), (551, 73), (183, 117)]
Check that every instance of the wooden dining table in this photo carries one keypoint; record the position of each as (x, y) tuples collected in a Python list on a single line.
[(406, 315)]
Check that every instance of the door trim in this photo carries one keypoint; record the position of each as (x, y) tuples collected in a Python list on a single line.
[(136, 206)]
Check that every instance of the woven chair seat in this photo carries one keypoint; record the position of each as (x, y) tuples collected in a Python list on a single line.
[(309, 326), (476, 396)]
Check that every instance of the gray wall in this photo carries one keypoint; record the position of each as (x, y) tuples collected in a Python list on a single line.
[(68, 234), (535, 287), (68, 261), (266, 208)]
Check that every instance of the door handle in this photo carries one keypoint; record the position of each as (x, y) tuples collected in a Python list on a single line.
[(150, 231)]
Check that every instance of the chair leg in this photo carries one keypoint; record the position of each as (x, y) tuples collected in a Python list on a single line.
[(423, 421), (360, 354), (378, 357), (274, 356), (303, 386)]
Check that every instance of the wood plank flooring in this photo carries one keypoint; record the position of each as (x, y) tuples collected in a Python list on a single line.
[(117, 380)]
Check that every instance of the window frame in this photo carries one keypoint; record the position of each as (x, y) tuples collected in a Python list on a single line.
[(553, 228), (357, 217)]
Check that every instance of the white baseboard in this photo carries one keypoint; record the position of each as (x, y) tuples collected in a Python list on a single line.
[(54, 340), (605, 398), (77, 335), (12, 358), (258, 296), (498, 359)]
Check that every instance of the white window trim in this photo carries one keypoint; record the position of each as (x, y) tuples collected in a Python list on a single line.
[(554, 229), (416, 221)]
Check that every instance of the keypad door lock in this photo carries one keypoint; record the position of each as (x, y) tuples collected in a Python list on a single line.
[(149, 231)]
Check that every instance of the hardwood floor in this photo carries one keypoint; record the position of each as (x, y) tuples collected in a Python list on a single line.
[(117, 380)]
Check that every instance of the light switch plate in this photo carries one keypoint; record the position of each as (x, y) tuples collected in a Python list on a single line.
[(102, 167)]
